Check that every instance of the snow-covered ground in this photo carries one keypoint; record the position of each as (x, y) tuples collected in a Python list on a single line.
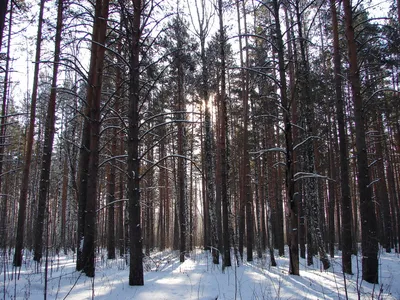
[(198, 278)]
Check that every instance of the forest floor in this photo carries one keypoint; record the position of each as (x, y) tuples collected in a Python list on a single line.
[(197, 278)]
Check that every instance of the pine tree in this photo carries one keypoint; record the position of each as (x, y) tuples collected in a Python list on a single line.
[(48, 142), (19, 242), (133, 168), (369, 242), (91, 137)]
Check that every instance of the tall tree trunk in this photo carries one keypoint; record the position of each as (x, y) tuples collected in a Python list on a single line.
[(263, 192), (176, 235), (290, 184), (48, 142), (267, 200), (162, 193), (393, 196), (83, 170), (206, 130), (64, 197), (259, 212), (181, 152), (223, 143), (3, 12), (121, 215), (248, 198), (210, 238), (355, 232), (3, 130), (382, 188), (190, 218), (121, 151), (93, 99), (276, 199), (311, 184), (331, 195), (244, 161), (293, 94), (111, 178), (258, 188), (218, 184), (110, 198), (369, 242), (19, 242), (135, 231), (210, 186), (150, 213)]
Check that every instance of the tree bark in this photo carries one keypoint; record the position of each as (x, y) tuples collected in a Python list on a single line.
[(331, 195), (64, 197), (369, 242), (110, 205), (209, 165), (3, 130), (163, 182), (346, 208), (19, 242), (311, 183), (382, 190), (121, 215), (290, 184), (83, 169), (111, 178), (181, 147), (48, 143), (223, 144), (218, 184), (258, 204), (269, 212), (93, 99), (135, 231), (121, 151), (393, 199), (244, 160)]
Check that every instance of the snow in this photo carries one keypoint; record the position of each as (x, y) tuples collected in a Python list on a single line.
[(81, 244), (198, 278)]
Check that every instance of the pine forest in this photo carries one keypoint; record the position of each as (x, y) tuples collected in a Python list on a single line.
[(246, 131)]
